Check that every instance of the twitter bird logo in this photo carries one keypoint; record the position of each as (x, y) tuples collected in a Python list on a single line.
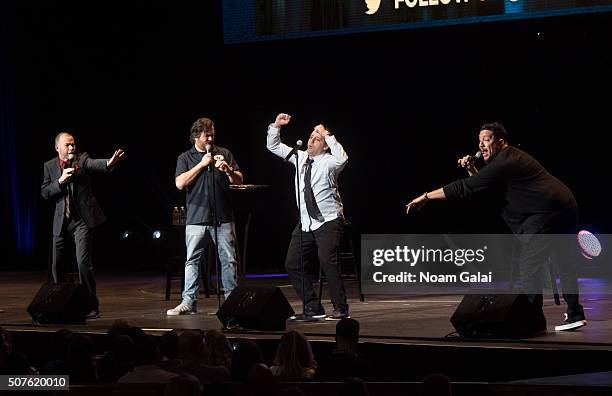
[(372, 6)]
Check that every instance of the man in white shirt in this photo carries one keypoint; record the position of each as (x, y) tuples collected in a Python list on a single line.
[(321, 216)]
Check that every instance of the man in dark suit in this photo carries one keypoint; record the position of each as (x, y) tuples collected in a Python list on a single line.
[(66, 181)]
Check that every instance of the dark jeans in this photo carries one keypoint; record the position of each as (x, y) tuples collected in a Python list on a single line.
[(552, 242), (325, 241), (75, 230)]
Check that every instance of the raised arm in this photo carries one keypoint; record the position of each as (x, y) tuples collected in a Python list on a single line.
[(274, 143), (335, 147)]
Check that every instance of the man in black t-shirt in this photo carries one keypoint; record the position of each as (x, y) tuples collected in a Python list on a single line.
[(205, 171), (537, 204)]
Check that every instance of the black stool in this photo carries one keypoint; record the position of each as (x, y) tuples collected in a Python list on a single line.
[(176, 269), (345, 255)]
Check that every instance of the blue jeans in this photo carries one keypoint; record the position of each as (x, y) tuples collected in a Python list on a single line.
[(197, 238)]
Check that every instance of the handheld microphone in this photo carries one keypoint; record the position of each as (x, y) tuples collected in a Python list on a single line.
[(472, 159), (294, 150), (70, 164), (208, 148), (475, 157)]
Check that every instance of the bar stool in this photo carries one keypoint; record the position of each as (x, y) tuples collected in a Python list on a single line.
[(345, 257), (175, 268)]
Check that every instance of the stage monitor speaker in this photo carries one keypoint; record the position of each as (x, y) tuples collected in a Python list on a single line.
[(61, 303), (256, 307), (498, 316)]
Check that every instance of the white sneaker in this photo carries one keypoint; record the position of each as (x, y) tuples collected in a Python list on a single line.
[(182, 309)]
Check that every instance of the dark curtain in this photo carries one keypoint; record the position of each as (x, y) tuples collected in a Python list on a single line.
[(18, 198)]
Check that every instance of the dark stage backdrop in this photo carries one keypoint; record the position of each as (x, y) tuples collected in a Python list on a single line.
[(405, 105), (258, 20)]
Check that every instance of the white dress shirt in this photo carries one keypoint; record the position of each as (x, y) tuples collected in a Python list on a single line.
[(324, 177)]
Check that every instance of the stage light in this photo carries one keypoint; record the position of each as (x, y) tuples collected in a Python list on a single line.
[(590, 247), (157, 234), (126, 235)]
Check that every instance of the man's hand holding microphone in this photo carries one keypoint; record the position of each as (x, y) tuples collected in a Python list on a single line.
[(467, 162)]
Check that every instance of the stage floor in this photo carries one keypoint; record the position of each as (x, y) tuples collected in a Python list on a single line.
[(139, 297)]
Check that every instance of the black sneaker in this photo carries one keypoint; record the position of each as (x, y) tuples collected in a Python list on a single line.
[(571, 324), (95, 314), (310, 315), (338, 315)]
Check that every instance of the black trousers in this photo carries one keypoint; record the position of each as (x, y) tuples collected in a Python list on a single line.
[(553, 241), (325, 242), (78, 232)]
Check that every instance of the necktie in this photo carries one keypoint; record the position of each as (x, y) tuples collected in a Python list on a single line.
[(67, 197), (309, 199)]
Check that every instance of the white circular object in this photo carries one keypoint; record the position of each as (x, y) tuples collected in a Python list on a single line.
[(589, 244)]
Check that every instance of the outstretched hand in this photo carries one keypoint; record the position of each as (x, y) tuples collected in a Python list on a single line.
[(117, 155), (282, 119), (416, 203)]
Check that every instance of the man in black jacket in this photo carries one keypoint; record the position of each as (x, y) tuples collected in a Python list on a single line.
[(537, 204), (66, 181)]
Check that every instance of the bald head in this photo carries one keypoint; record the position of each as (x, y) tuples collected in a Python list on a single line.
[(64, 145)]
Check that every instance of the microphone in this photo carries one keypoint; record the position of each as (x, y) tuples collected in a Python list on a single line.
[(70, 160), (294, 150), (70, 164), (208, 148), (473, 159)]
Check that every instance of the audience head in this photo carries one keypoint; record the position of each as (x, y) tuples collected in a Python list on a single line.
[(192, 346), (246, 355), (347, 333), (353, 386), (119, 327), (59, 344), (436, 385), (168, 344), (294, 357), (80, 359), (147, 351), (261, 381), (183, 385), (220, 350)]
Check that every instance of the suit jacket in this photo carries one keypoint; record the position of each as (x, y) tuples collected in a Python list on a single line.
[(84, 201)]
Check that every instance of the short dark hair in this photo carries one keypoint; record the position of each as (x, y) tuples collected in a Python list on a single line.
[(347, 327), (60, 134), (199, 126), (498, 130)]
